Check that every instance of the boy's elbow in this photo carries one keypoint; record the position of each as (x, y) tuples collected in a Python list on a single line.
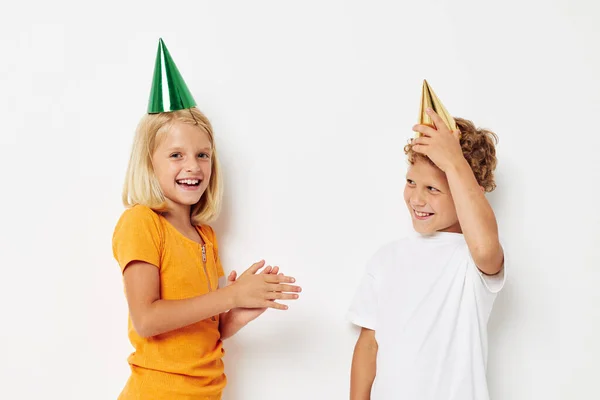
[(489, 260), (366, 341)]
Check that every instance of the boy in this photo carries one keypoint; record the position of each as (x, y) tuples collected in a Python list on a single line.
[(424, 302)]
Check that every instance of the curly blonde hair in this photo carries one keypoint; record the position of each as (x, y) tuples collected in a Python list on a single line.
[(479, 149)]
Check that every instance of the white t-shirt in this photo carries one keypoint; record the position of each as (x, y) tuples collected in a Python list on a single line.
[(429, 306)]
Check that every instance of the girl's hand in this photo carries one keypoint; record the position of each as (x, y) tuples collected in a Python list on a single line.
[(439, 144), (246, 315), (251, 290)]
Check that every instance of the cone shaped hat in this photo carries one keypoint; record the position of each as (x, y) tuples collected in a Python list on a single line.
[(430, 100), (169, 91)]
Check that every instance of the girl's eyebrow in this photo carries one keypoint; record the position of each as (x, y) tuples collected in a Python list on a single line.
[(178, 148)]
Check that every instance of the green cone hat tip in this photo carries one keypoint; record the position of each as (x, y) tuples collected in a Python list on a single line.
[(169, 91)]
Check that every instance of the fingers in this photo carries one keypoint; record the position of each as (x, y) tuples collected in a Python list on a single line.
[(254, 268), (232, 276), (279, 279), (425, 130), (270, 270), (282, 296), (421, 149), (438, 121), (420, 144), (284, 288), (267, 270), (277, 306), (423, 140)]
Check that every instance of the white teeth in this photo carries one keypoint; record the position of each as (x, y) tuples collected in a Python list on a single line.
[(421, 214), (189, 181)]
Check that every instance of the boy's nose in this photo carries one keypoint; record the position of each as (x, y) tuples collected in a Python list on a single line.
[(417, 200)]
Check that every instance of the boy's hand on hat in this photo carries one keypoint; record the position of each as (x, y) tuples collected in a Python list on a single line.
[(252, 290), (439, 144)]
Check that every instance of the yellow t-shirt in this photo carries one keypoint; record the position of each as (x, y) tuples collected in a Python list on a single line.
[(185, 363)]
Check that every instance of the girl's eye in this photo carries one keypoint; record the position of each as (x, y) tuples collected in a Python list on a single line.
[(175, 155), (203, 155), (432, 189), (410, 182)]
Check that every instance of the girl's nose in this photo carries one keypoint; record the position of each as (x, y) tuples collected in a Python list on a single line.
[(192, 165)]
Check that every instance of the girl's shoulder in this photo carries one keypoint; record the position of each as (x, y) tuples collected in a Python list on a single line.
[(138, 236), (139, 217), (139, 212)]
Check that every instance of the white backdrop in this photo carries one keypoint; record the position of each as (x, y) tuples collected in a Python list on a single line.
[(312, 103)]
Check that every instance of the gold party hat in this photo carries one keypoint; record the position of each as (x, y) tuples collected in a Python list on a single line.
[(430, 100)]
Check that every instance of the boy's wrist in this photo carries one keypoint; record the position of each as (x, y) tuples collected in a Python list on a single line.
[(458, 168)]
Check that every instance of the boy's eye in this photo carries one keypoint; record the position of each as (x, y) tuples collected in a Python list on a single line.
[(410, 182), (432, 189)]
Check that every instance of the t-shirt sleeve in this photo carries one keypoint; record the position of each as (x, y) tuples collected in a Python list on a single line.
[(493, 283), (363, 310), (137, 237)]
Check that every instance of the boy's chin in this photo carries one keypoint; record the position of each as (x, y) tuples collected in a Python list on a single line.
[(428, 230), (423, 229)]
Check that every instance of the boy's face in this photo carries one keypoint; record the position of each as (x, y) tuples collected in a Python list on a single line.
[(182, 164), (428, 198)]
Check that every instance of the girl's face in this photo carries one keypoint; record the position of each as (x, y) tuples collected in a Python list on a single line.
[(182, 164), (428, 198)]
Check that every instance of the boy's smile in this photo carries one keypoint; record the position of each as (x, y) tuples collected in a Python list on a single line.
[(422, 216), (428, 198)]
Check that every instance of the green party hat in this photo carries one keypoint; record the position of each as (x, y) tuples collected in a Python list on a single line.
[(169, 91)]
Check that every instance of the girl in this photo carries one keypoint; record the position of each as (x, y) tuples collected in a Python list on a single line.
[(178, 314)]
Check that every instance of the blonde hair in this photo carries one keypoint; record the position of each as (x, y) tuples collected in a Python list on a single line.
[(142, 187), (479, 149)]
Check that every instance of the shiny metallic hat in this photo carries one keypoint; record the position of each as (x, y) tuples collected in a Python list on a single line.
[(430, 100), (169, 91)]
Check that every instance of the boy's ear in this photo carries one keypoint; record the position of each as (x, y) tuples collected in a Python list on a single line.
[(482, 189)]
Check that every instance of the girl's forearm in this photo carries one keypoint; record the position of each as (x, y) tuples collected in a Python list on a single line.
[(163, 316)]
